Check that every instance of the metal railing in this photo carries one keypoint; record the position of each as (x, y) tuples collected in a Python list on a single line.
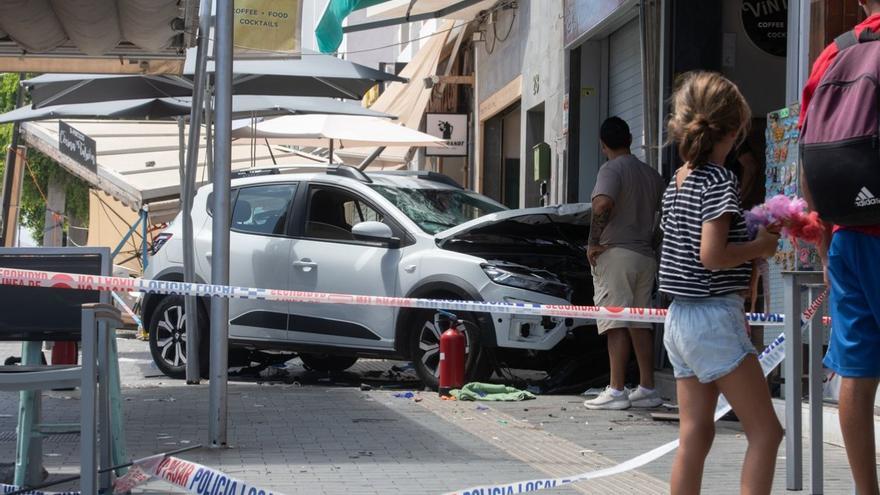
[(795, 283)]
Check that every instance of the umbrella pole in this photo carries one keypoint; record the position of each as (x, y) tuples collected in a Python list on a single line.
[(330, 160), (220, 223), (187, 190), (209, 129)]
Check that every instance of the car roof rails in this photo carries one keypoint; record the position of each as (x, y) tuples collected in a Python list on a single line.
[(347, 171), (253, 172), (274, 170), (424, 175)]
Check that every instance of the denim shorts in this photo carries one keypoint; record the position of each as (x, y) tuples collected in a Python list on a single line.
[(706, 337)]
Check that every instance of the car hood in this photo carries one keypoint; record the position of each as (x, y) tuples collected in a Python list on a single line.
[(546, 225)]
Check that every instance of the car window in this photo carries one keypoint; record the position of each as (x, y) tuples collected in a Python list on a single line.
[(435, 210), (263, 209), (333, 212)]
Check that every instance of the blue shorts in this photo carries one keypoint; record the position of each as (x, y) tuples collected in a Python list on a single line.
[(854, 275), (706, 337)]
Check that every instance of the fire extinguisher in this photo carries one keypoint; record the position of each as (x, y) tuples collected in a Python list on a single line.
[(452, 352)]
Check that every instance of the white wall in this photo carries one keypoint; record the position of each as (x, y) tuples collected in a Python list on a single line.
[(533, 49)]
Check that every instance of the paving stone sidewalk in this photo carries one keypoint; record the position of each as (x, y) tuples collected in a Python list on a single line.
[(327, 439)]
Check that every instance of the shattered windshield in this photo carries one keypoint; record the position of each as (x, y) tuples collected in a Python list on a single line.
[(435, 210)]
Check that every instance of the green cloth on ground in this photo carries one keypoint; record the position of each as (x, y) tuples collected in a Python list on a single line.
[(329, 29), (490, 392)]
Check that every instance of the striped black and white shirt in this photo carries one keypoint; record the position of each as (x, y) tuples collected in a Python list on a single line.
[(706, 194)]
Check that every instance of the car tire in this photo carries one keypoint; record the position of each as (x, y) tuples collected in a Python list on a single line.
[(327, 362), (425, 349), (167, 337)]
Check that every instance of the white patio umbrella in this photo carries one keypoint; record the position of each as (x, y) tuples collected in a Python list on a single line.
[(337, 131)]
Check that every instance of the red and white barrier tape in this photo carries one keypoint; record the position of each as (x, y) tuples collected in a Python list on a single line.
[(35, 278)]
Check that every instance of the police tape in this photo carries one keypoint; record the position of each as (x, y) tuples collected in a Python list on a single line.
[(770, 358), (191, 476), (36, 278), (12, 489)]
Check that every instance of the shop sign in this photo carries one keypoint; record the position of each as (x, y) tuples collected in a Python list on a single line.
[(450, 127), (267, 28), (766, 24), (76, 145), (583, 15)]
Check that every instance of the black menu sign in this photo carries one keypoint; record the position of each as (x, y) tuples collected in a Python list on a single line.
[(78, 146)]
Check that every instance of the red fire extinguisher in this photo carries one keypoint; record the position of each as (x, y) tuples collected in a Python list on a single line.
[(452, 349)]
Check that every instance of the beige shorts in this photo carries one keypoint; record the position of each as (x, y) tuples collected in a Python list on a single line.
[(623, 278)]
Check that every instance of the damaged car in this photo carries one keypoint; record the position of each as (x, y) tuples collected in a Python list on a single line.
[(395, 234)]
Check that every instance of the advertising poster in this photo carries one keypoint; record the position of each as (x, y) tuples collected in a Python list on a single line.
[(268, 27)]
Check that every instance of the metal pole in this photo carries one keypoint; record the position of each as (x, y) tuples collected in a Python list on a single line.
[(330, 161), (792, 63), (792, 372), (209, 129), (220, 225), (368, 160), (88, 408), (817, 374), (190, 304)]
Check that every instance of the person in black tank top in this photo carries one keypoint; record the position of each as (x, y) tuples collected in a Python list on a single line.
[(705, 267)]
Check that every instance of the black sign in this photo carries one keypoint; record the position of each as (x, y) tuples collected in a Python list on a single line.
[(78, 146), (766, 24)]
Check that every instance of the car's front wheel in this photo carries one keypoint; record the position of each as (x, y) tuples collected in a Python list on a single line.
[(425, 349), (168, 338)]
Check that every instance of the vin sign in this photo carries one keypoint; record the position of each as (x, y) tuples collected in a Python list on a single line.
[(766, 24), (78, 146)]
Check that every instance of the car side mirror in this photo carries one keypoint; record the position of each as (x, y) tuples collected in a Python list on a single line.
[(375, 232)]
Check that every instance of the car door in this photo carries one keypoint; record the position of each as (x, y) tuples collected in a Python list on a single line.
[(326, 258), (259, 243)]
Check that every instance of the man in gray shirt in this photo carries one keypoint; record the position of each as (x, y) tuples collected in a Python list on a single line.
[(626, 203)]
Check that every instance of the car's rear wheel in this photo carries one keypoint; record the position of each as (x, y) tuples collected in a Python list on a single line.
[(168, 337), (425, 349), (327, 362)]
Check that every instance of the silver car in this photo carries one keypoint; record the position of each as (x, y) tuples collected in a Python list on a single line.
[(411, 234)]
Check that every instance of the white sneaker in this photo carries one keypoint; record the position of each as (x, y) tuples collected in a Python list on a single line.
[(606, 400), (643, 398)]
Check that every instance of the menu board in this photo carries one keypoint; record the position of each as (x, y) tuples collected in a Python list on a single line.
[(783, 178)]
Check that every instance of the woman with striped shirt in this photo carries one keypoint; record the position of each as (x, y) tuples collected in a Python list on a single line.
[(705, 266)]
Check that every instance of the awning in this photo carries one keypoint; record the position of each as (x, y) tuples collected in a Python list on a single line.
[(410, 100), (398, 8), (139, 162), (115, 36), (164, 108), (347, 131), (382, 13)]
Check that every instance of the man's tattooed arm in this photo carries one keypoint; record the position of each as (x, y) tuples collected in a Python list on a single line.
[(602, 206)]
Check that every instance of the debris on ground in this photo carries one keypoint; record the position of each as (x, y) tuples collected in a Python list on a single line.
[(491, 392)]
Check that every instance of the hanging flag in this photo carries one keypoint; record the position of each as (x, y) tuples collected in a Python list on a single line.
[(329, 28), (265, 28)]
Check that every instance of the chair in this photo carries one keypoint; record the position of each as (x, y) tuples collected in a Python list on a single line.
[(35, 314)]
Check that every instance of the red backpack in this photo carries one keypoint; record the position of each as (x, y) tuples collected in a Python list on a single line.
[(840, 135)]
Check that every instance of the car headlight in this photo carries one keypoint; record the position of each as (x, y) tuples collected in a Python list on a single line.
[(523, 277)]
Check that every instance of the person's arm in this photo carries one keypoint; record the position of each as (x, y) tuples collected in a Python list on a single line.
[(604, 195), (827, 228), (716, 253), (601, 215)]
